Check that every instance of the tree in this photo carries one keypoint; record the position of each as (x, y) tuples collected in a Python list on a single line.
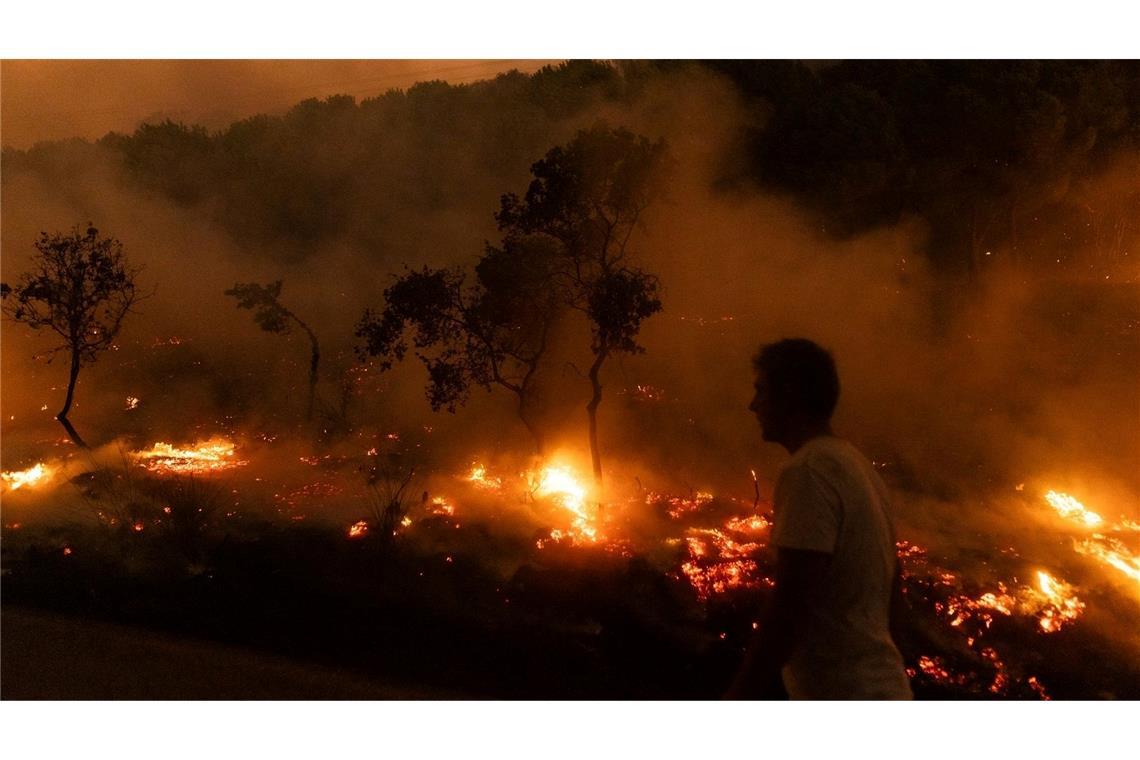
[(274, 318), (81, 287), (492, 332), (617, 304), (587, 200)]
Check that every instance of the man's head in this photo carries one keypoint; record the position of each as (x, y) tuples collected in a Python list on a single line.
[(797, 388)]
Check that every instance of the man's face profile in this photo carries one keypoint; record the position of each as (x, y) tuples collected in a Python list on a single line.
[(764, 409)]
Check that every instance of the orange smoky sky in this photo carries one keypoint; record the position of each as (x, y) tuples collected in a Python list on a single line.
[(60, 99)]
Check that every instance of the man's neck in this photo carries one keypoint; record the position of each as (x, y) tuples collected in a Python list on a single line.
[(796, 440)]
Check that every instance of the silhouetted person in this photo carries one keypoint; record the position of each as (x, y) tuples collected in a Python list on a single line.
[(826, 634)]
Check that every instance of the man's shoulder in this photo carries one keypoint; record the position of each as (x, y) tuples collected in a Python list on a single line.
[(826, 453), (833, 461)]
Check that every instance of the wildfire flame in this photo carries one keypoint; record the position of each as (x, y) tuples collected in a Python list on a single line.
[(37, 474), (1113, 553), (1106, 549), (478, 476), (559, 484), (1062, 606), (357, 529), (1052, 602), (440, 506), (1071, 509), (201, 458)]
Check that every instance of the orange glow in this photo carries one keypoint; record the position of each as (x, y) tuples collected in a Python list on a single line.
[(357, 529), (200, 458)]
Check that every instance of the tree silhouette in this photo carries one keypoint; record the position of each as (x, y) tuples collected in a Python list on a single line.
[(492, 332), (273, 317), (81, 287), (587, 199)]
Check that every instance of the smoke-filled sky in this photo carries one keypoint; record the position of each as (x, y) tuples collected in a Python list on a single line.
[(59, 99)]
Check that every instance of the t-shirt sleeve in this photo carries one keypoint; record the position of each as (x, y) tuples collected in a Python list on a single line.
[(807, 510)]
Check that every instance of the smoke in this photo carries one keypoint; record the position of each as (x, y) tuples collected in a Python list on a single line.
[(1023, 380), (61, 99)]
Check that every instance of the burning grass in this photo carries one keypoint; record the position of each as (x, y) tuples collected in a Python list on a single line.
[(1105, 545), (200, 458), (39, 474), (713, 549)]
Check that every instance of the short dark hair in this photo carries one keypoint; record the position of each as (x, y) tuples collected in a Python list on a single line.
[(802, 373)]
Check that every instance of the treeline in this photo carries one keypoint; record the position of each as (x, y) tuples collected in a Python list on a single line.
[(341, 169), (1031, 161)]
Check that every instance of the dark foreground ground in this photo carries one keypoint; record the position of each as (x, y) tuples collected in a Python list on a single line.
[(46, 656), (272, 611), (298, 612)]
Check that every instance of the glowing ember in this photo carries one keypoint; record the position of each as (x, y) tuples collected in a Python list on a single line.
[(201, 458), (720, 561), (1071, 509), (934, 669), (317, 491), (744, 524), (719, 578), (647, 393), (36, 475), (678, 506), (357, 529), (1052, 603), (1038, 688), (479, 478), (132, 402)]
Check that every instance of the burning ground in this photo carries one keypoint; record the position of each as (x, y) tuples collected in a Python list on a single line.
[(218, 538)]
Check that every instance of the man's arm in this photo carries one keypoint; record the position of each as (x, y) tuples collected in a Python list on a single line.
[(801, 575)]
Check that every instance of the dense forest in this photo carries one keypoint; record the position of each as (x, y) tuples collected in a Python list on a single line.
[(1035, 160)]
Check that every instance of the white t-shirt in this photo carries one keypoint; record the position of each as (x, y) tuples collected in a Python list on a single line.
[(830, 499)]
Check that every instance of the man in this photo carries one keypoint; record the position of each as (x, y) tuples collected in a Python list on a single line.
[(826, 634)]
